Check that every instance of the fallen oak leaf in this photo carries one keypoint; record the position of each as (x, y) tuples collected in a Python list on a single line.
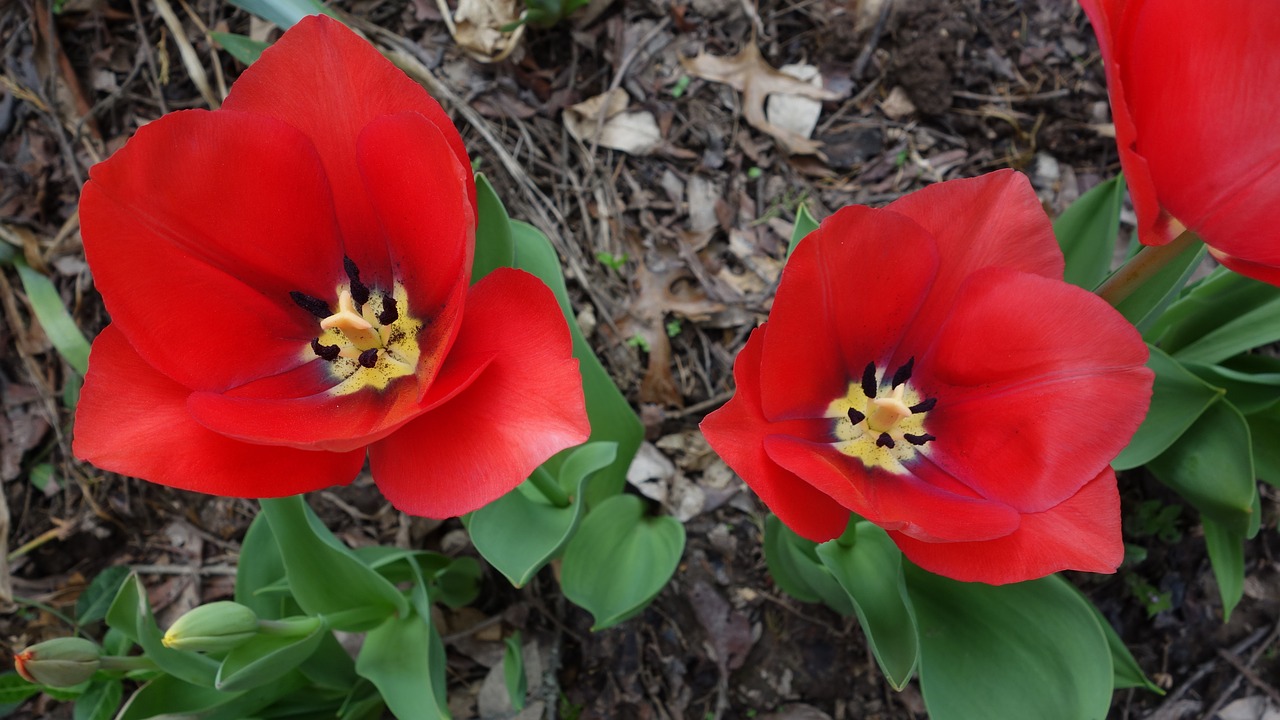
[(748, 73), (603, 120)]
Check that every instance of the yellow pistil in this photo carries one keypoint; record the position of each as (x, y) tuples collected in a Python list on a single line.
[(358, 331), (875, 429)]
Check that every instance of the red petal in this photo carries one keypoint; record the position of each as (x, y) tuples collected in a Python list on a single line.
[(197, 230), (897, 502), (523, 408), (1266, 273), (419, 195), (737, 431), (1082, 533), (1200, 84), (1040, 384), (132, 420), (847, 295), (994, 220), (327, 82)]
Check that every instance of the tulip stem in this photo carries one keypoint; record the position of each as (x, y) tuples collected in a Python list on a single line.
[(549, 488), (1139, 268), (125, 663)]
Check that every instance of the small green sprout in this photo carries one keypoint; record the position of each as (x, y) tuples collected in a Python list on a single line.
[(673, 328), (608, 259), (682, 84), (639, 341)]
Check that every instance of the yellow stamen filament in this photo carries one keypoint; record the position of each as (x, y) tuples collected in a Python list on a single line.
[(349, 322)]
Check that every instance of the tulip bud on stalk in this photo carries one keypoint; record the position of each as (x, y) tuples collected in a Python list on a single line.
[(216, 627), (61, 662)]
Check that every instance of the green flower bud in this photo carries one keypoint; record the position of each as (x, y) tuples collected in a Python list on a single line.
[(216, 627), (60, 663)]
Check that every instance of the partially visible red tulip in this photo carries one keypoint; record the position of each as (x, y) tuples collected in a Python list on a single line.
[(1195, 94), (925, 366), (288, 281)]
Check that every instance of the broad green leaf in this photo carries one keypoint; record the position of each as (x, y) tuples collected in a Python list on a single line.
[(494, 247), (58, 326), (131, 614), (168, 696), (325, 577), (513, 671), (612, 419), (404, 658), (93, 603), (1211, 467), (290, 694), (330, 666), (794, 564), (1255, 328), (266, 658), (1226, 555), (1266, 454), (1177, 399), (1028, 650), (1087, 231), (1125, 669), (458, 583), (100, 701), (619, 559), (260, 566), (245, 49), (14, 689), (1145, 304), (870, 570), (1208, 305), (805, 224), (544, 528), (1250, 392), (284, 13)]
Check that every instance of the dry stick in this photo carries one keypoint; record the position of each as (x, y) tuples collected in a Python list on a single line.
[(189, 57), (1204, 669), (1244, 670), (860, 65), (625, 65), (1149, 261)]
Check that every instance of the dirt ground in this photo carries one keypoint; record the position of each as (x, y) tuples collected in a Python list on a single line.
[(673, 253)]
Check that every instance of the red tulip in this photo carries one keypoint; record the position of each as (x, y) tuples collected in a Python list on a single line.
[(288, 280), (1193, 90), (925, 367)]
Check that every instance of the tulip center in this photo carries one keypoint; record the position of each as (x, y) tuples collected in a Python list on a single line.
[(367, 339), (881, 419)]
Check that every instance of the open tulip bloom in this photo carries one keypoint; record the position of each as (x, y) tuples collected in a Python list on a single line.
[(1193, 89), (925, 367), (289, 285)]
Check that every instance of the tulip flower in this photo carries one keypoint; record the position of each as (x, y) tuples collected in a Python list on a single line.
[(925, 367), (60, 663), (288, 282), (1193, 96)]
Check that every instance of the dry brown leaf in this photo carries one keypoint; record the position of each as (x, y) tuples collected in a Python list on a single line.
[(603, 120), (796, 114), (477, 27), (748, 73)]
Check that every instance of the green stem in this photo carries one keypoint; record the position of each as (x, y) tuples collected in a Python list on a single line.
[(549, 488), (1139, 268), (126, 663), (290, 627)]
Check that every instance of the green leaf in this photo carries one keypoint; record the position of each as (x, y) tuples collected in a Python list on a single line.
[(266, 658), (245, 49), (260, 566), (794, 564), (1250, 392), (612, 419), (1145, 305), (58, 326), (1208, 305), (619, 559), (1211, 467), (326, 578), (167, 695), (131, 614), (1255, 328), (1266, 455), (1028, 650), (284, 13), (404, 658), (1177, 399), (805, 224), (290, 694), (494, 247), (93, 603), (100, 701), (15, 689), (871, 572), (1087, 231), (1226, 555), (544, 528), (1126, 671), (458, 583), (513, 671)]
